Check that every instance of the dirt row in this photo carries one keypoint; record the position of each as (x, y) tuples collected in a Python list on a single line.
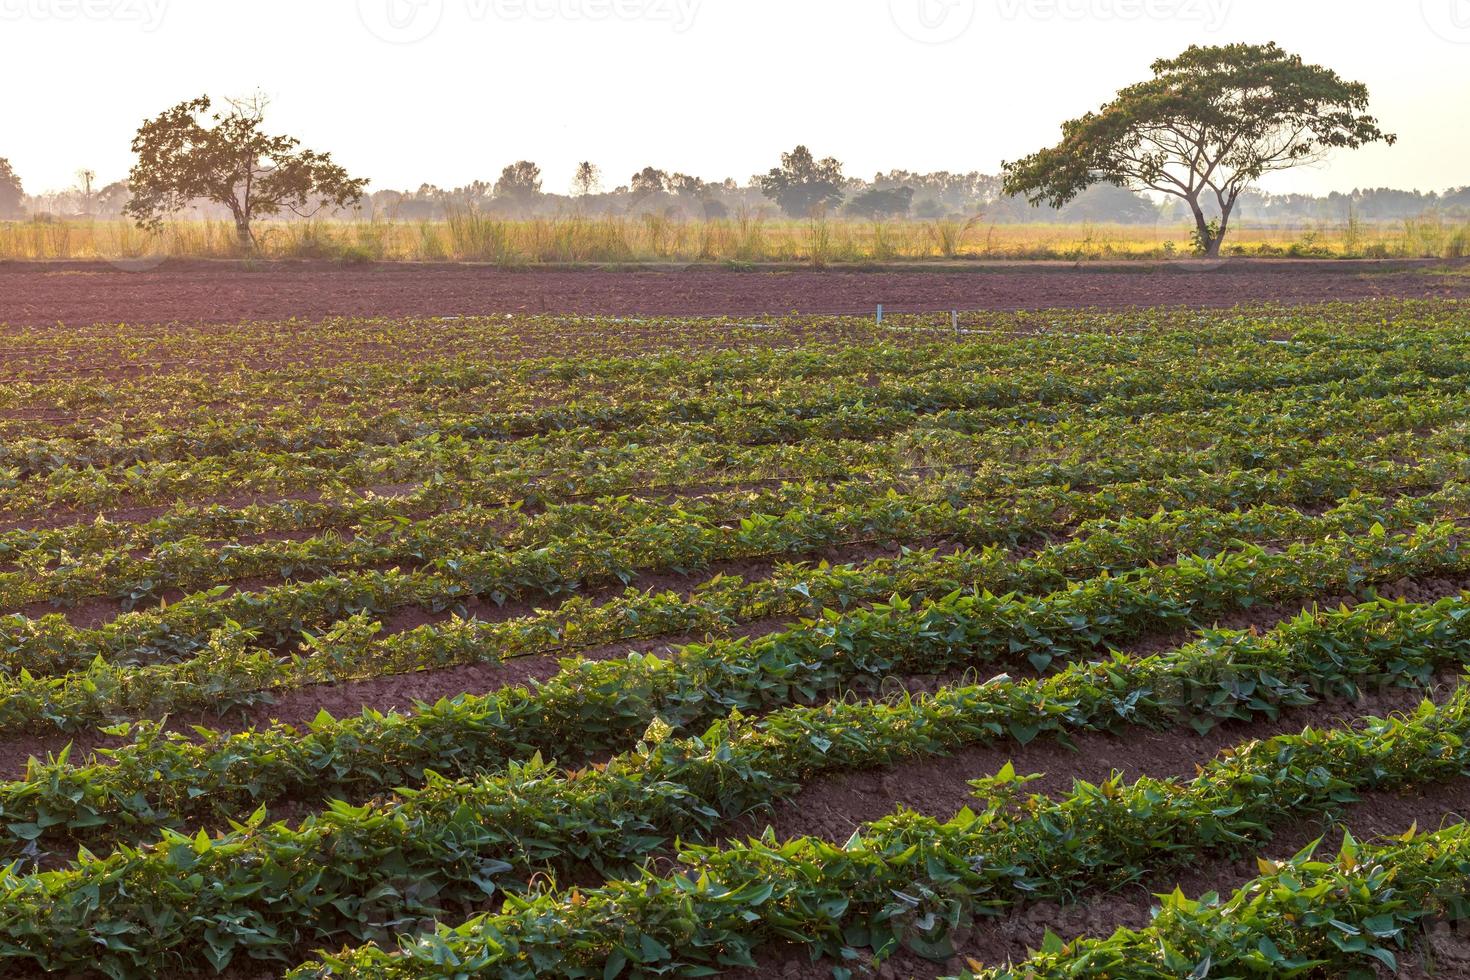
[(833, 806), (86, 293), (1443, 953), (401, 692), (117, 354)]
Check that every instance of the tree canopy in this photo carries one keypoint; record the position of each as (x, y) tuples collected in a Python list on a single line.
[(1208, 124), (647, 182), (189, 153), (588, 178), (876, 203), (10, 191), (803, 185), (520, 181)]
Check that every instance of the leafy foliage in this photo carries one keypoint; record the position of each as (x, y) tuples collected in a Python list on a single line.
[(233, 162), (910, 880), (878, 203), (803, 185), (1024, 500), (519, 181), (1208, 124), (592, 708), (11, 193)]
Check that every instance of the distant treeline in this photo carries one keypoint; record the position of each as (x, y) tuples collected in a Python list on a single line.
[(896, 195)]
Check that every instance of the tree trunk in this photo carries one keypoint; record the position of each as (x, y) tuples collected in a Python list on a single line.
[(243, 233), (1226, 207), (1209, 239)]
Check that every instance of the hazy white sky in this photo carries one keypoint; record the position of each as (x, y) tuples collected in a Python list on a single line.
[(447, 91)]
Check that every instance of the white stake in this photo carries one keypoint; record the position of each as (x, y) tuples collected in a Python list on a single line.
[(880, 314)]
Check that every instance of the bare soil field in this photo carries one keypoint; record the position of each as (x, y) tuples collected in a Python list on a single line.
[(85, 293)]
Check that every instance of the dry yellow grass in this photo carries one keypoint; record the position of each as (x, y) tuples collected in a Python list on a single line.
[(652, 238)]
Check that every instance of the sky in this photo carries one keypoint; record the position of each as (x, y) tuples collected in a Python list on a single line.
[(449, 91)]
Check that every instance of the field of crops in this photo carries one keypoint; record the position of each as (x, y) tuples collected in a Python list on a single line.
[(552, 646)]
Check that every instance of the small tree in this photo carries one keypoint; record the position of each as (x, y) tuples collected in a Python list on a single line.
[(520, 182), (587, 179), (689, 187), (1108, 202), (85, 179), (11, 193), (647, 182), (113, 197), (232, 162), (803, 185), (695, 196), (877, 203), (1208, 124)]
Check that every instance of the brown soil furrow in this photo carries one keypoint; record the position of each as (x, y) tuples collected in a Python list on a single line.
[(1009, 937), (92, 613), (35, 294), (834, 806), (399, 692)]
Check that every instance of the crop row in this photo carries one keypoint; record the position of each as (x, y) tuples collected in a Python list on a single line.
[(409, 361), (1130, 477), (1349, 914), (461, 352), (100, 559), (227, 670), (358, 425), (366, 871), (858, 417), (519, 406), (564, 467), (679, 539), (173, 781), (859, 410), (112, 567), (418, 383), (910, 880)]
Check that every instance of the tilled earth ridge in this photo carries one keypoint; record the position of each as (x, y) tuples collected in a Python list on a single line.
[(85, 293)]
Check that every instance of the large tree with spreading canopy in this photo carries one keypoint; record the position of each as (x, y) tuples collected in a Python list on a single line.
[(1207, 125), (804, 185), (190, 153)]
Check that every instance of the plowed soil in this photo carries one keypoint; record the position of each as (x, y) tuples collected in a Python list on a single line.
[(834, 807), (86, 293)]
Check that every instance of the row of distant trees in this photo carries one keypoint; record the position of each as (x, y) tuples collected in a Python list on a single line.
[(1198, 135), (895, 195), (797, 188)]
